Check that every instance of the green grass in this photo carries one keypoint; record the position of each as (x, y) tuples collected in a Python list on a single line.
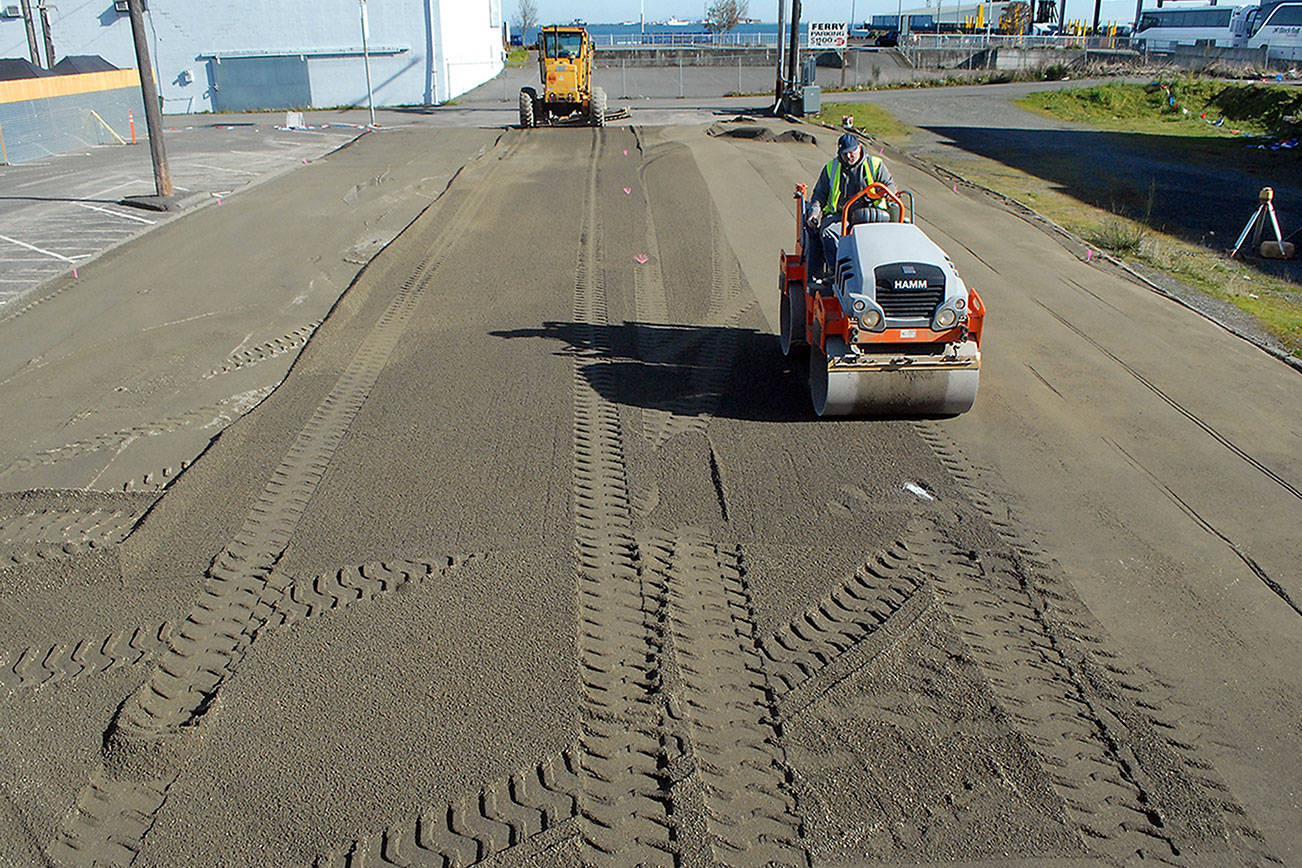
[(1251, 109), (517, 57), (868, 118), (1275, 303), (1117, 236)]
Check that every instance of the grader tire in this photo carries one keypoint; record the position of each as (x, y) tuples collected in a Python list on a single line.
[(597, 110), (528, 96)]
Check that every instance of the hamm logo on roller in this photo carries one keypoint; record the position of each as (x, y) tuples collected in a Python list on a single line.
[(911, 284)]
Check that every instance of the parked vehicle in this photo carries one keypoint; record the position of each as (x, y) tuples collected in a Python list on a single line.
[(1280, 30), (1224, 26)]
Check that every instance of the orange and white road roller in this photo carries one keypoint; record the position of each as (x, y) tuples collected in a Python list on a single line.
[(892, 331)]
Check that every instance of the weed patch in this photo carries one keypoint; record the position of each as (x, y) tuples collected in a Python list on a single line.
[(1183, 106), (868, 118), (1117, 236)]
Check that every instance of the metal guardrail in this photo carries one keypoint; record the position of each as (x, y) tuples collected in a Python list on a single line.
[(695, 38), (994, 40), (920, 48), (909, 42)]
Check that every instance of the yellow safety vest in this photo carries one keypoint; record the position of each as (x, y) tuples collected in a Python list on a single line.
[(834, 175)]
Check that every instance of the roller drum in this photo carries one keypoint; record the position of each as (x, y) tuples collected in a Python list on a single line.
[(791, 313), (842, 384)]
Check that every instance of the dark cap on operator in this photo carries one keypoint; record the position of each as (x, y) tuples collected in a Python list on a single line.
[(847, 143)]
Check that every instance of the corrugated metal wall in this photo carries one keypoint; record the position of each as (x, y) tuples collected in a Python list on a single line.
[(40, 117), (422, 51)]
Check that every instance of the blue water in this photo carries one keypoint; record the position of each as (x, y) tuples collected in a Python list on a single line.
[(605, 34)]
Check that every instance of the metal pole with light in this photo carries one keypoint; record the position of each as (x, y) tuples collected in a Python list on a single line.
[(782, 17), (45, 32), (793, 64), (31, 32), (153, 110), (366, 61)]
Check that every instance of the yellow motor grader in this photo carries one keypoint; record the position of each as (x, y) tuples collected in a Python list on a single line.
[(565, 56)]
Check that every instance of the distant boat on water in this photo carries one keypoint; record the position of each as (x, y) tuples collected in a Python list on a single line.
[(678, 22)]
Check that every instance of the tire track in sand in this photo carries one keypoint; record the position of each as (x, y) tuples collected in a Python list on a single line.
[(727, 704), (53, 533), (1126, 766), (266, 351), (623, 807), (502, 815), (300, 599), (803, 649), (208, 416), (730, 298), (678, 592), (35, 667), (146, 742)]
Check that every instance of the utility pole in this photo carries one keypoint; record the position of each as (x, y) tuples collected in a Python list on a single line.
[(45, 31), (366, 61), (153, 111), (794, 62), (31, 32), (782, 15)]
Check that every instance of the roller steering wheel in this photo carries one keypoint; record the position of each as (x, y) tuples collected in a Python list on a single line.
[(875, 191)]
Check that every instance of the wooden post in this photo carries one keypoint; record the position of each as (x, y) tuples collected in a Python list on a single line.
[(153, 111)]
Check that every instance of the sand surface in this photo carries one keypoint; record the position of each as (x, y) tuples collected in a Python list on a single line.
[(522, 545)]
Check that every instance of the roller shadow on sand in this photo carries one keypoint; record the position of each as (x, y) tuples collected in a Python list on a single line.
[(727, 372)]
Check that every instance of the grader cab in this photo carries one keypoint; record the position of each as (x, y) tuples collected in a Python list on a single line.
[(565, 60)]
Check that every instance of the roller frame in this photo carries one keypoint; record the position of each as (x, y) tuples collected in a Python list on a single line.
[(858, 381)]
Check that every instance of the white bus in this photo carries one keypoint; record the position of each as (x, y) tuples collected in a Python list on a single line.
[(1161, 29), (1280, 29)]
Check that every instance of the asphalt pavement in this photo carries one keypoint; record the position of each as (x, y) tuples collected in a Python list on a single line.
[(58, 212), (507, 535)]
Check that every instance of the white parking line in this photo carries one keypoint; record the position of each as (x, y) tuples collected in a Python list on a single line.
[(33, 247), (115, 213), (224, 169), (114, 187)]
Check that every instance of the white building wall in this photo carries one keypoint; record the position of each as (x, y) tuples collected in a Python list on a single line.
[(423, 51), (476, 55)]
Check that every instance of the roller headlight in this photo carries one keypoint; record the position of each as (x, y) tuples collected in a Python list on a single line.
[(946, 318), (870, 319)]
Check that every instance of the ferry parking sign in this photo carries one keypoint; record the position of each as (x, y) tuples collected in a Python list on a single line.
[(828, 34)]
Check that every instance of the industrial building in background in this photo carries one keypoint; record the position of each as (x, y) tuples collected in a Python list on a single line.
[(280, 54)]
